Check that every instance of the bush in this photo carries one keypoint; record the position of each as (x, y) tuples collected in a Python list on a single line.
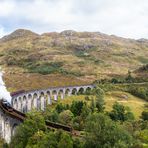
[(138, 91), (34, 122), (60, 107), (76, 107), (120, 113), (101, 132), (65, 141), (66, 117), (45, 68), (144, 115)]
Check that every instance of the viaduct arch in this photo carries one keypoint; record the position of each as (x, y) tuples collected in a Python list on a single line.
[(38, 99)]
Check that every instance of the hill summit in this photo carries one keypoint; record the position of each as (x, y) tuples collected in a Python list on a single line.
[(18, 34)]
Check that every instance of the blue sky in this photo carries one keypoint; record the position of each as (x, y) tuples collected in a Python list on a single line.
[(126, 18)]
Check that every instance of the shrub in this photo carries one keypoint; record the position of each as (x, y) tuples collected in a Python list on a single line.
[(65, 117), (101, 132), (138, 91), (76, 107), (120, 113), (144, 115)]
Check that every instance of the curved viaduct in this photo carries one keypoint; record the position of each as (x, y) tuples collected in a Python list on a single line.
[(38, 99)]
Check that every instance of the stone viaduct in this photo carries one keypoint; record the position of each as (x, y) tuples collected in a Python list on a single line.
[(24, 101), (39, 99), (9, 120)]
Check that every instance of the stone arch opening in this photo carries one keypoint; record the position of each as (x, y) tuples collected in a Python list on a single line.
[(15, 103), (88, 91), (6, 122), (54, 92), (74, 91), (20, 104), (67, 92), (55, 95), (42, 101), (29, 96), (29, 102), (39, 100), (81, 91), (61, 94), (42, 94), (13, 129), (48, 97), (24, 104), (34, 100)]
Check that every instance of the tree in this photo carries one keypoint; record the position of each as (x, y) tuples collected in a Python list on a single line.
[(33, 123), (78, 121), (50, 139), (98, 92), (60, 107), (121, 113), (76, 107), (102, 132), (65, 117), (100, 103), (42, 140), (77, 143), (65, 141), (143, 137), (51, 115), (144, 115), (92, 105), (85, 111)]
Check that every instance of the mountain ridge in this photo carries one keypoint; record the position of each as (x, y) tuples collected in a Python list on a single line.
[(70, 32), (84, 56)]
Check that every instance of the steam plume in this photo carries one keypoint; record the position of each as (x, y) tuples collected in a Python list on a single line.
[(4, 94)]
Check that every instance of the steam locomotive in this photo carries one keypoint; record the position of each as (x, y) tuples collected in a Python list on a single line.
[(17, 92), (6, 105)]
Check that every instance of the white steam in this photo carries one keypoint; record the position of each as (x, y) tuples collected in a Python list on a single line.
[(4, 94)]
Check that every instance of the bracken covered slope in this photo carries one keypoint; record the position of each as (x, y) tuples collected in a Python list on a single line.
[(35, 61)]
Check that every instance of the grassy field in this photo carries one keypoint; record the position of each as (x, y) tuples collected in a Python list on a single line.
[(135, 104)]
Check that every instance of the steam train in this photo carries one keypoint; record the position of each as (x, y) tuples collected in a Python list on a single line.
[(17, 92), (6, 105)]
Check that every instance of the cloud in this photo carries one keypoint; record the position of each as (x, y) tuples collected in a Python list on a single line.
[(126, 18), (6, 8), (2, 32)]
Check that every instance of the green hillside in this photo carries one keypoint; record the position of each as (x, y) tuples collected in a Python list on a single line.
[(67, 58)]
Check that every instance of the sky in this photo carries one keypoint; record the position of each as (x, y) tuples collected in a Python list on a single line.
[(125, 18)]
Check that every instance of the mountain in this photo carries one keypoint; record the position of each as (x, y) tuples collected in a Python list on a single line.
[(20, 33), (35, 61)]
